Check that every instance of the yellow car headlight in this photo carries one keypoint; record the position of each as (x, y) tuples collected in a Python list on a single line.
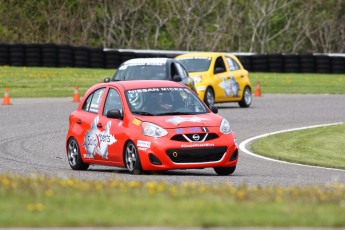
[(197, 79)]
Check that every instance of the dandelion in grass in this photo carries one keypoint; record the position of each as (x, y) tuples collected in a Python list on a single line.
[(35, 207)]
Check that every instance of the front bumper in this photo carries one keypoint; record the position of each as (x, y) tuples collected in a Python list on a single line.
[(167, 154)]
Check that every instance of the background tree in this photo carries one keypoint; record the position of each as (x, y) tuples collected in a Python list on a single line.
[(260, 26)]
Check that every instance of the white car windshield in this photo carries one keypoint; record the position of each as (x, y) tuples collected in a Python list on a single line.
[(164, 101), (140, 72)]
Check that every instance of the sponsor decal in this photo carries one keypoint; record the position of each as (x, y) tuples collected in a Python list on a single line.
[(230, 87), (195, 129), (196, 145), (148, 90), (96, 141), (187, 58), (179, 130), (145, 144), (142, 149), (178, 120), (136, 121), (201, 88)]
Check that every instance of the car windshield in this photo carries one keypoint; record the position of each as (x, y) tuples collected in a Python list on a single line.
[(196, 64), (140, 72), (164, 101)]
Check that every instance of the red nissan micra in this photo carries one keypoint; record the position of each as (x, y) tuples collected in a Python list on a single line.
[(149, 125)]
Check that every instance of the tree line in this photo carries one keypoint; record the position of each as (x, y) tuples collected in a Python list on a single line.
[(258, 26)]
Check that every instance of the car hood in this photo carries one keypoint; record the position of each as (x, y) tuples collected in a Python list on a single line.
[(180, 121), (194, 74)]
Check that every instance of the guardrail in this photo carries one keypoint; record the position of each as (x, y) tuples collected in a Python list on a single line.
[(54, 55)]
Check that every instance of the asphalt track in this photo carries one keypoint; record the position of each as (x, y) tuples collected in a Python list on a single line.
[(33, 131)]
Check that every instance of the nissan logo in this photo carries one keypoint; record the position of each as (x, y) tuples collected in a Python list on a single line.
[(196, 137)]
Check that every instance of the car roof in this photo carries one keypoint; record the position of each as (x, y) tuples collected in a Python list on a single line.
[(146, 61), (203, 54), (137, 84)]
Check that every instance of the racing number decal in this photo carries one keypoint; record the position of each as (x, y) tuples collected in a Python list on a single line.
[(96, 141)]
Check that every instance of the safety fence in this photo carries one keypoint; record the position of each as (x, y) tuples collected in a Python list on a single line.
[(54, 55)]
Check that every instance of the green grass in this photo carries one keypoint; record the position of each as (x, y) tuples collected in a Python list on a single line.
[(317, 146), (47, 202), (60, 82), (49, 82), (299, 83)]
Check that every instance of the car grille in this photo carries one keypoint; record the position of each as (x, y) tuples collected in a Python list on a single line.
[(190, 137), (196, 155)]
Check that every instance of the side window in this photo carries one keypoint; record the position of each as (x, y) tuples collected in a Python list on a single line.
[(219, 65), (92, 103), (232, 64), (87, 103), (113, 101)]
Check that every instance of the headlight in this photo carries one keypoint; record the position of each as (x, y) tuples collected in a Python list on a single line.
[(225, 127), (197, 79), (153, 130)]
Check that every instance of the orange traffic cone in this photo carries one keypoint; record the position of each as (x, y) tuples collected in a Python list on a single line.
[(257, 90), (6, 100), (76, 97)]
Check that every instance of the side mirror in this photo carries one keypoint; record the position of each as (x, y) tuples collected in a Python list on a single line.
[(114, 113), (106, 80), (214, 109), (177, 78), (219, 70)]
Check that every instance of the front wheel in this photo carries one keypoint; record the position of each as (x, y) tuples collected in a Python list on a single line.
[(246, 98), (132, 159), (224, 171), (209, 97), (74, 157)]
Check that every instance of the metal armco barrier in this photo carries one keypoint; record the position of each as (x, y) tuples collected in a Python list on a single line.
[(54, 55)]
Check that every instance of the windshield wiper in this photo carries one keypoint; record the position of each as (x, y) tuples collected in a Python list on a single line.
[(143, 113), (176, 113)]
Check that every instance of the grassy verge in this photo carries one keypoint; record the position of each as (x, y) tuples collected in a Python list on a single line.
[(317, 146), (45, 202), (49, 82), (60, 82), (299, 83)]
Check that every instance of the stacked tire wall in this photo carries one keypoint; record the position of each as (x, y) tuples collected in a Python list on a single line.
[(53, 55)]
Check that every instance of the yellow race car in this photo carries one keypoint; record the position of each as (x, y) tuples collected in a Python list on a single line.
[(218, 77)]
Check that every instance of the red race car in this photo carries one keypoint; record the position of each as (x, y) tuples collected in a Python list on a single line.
[(149, 125)]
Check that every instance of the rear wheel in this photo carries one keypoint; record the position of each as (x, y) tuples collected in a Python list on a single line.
[(224, 171), (209, 97), (246, 98), (74, 157), (132, 159)]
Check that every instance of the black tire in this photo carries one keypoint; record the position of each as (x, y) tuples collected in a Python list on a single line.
[(132, 159), (224, 171), (246, 98), (209, 97), (74, 157)]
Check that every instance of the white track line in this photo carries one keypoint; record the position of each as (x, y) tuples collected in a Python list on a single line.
[(243, 144)]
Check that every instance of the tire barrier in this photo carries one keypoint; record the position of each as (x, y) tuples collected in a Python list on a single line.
[(4, 56), (65, 56), (58, 55)]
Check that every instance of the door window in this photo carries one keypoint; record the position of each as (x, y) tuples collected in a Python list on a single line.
[(232, 64), (113, 101), (92, 103)]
